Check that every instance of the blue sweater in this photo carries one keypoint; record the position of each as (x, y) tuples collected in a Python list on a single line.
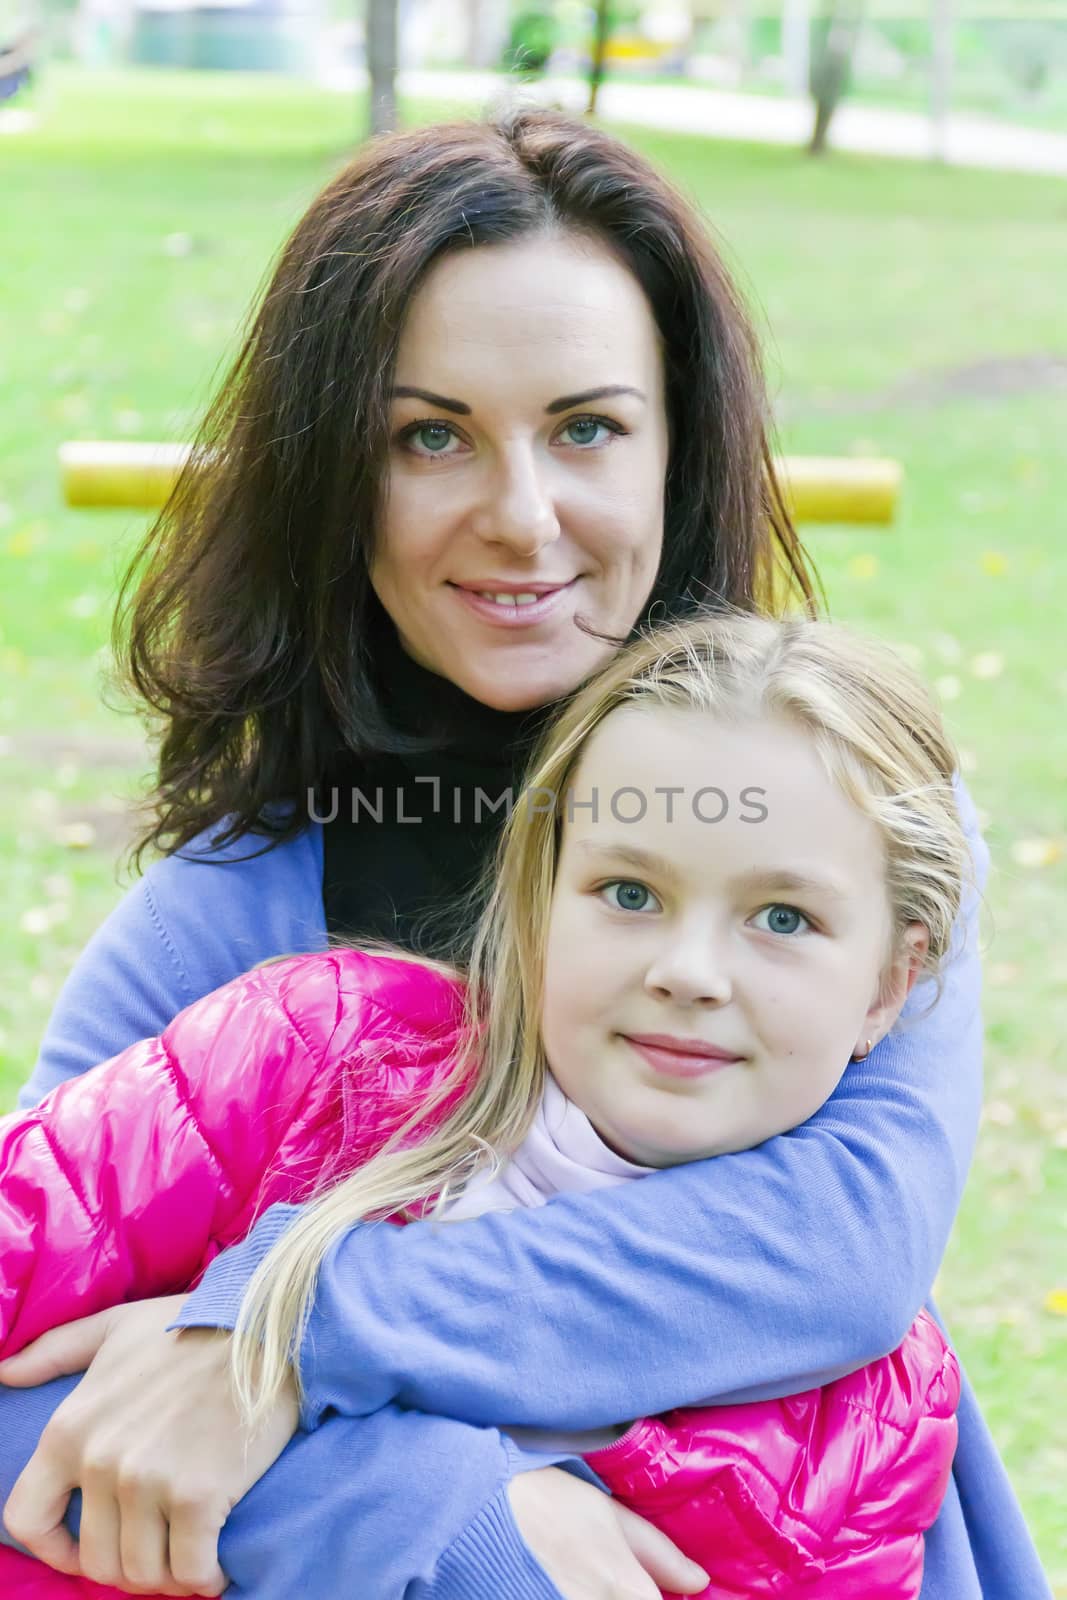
[(755, 1274)]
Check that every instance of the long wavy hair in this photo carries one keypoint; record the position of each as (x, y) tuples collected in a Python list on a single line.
[(880, 738), (245, 622)]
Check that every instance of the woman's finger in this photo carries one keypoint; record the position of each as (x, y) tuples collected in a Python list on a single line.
[(576, 1535), (194, 1543), (661, 1558), (37, 1505), (64, 1350), (98, 1537), (34, 1513), (144, 1541)]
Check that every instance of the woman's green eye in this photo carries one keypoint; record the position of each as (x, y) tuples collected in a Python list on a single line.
[(782, 919), (433, 436), (583, 430)]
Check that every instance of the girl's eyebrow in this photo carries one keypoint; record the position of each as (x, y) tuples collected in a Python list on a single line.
[(766, 879), (444, 402), (793, 882), (643, 860)]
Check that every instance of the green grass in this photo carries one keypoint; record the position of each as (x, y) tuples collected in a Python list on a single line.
[(882, 287)]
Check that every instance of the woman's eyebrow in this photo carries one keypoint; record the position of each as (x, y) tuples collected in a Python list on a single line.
[(603, 393), (405, 391)]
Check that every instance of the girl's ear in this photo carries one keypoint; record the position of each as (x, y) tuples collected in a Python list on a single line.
[(896, 985)]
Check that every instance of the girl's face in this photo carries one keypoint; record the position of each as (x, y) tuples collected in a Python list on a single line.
[(528, 457), (706, 981)]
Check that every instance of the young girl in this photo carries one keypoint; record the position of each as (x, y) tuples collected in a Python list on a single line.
[(737, 851)]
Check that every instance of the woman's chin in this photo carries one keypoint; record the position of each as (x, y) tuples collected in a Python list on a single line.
[(517, 685), (504, 690)]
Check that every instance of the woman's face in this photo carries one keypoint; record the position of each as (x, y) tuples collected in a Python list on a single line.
[(527, 459)]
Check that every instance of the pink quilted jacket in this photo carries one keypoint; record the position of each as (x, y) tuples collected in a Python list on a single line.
[(127, 1181)]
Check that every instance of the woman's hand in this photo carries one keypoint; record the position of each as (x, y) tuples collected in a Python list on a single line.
[(152, 1438), (591, 1547)]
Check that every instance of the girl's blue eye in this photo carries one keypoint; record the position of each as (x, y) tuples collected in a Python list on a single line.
[(782, 920), (626, 895)]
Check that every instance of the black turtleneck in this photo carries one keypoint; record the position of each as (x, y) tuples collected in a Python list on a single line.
[(406, 835)]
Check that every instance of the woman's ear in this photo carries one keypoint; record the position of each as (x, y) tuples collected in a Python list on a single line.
[(897, 981)]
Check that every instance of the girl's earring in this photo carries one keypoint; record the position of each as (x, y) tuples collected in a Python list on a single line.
[(865, 1054)]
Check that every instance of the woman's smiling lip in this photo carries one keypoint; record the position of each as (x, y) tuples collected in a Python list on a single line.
[(680, 1058), (510, 616)]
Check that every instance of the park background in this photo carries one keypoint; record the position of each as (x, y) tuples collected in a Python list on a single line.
[(909, 309)]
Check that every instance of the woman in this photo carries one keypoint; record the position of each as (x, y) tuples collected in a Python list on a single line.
[(510, 355)]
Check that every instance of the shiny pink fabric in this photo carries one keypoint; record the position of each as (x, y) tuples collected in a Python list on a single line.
[(127, 1181)]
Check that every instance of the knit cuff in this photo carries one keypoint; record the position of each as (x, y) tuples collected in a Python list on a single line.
[(491, 1557), (216, 1300)]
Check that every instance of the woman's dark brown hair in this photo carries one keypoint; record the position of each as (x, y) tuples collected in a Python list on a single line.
[(245, 619)]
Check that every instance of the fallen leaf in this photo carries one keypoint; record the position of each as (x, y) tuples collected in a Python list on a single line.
[(76, 835), (863, 567), (1036, 852), (947, 646), (913, 654)]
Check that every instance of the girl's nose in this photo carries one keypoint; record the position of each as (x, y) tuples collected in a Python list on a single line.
[(691, 971), (518, 510)]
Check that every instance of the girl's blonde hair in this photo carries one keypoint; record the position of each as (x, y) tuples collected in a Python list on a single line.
[(880, 737)]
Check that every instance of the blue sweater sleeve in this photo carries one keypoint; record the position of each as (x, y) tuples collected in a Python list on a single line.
[(752, 1275), (343, 1499), (192, 923)]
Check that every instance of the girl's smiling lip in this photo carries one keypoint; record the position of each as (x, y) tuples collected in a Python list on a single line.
[(680, 1058), (549, 596)]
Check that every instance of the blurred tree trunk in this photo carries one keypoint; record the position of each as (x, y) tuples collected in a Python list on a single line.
[(942, 55), (382, 50), (487, 32), (796, 46), (600, 49), (831, 68)]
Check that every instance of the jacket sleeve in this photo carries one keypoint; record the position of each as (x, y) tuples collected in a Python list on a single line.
[(749, 1276), (125, 1179)]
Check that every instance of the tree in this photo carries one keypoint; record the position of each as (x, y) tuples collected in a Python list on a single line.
[(941, 63), (831, 67), (382, 51), (598, 59)]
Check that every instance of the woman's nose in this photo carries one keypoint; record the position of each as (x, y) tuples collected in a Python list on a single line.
[(518, 509), (691, 971)]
